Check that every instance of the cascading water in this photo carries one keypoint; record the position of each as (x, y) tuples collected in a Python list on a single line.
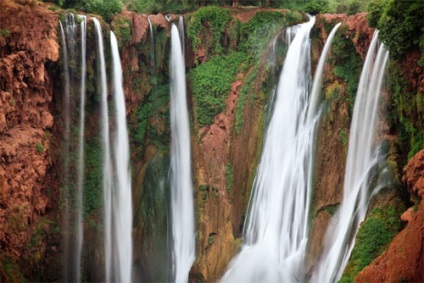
[(275, 246), (122, 197), (80, 173), (363, 156), (152, 45), (66, 149), (107, 166), (181, 32), (181, 185), (71, 260)]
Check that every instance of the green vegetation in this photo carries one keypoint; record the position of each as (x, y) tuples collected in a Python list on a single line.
[(229, 177), (317, 7), (4, 33), (159, 6), (10, 270), (122, 29), (348, 63), (153, 118), (343, 138), (331, 209), (217, 20), (407, 113), (400, 24), (39, 147), (93, 195), (247, 88), (372, 239), (211, 83), (253, 36), (105, 8)]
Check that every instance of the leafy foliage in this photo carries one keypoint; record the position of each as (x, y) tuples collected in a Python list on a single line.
[(211, 82), (317, 7), (400, 24), (408, 111), (217, 20), (93, 196), (348, 64), (105, 8), (372, 238), (375, 10), (159, 6), (122, 28), (254, 35)]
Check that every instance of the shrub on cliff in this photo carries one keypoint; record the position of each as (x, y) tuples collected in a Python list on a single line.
[(400, 24), (104, 8)]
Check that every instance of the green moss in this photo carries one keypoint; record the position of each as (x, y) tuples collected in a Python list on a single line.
[(10, 271), (122, 28), (39, 147), (253, 36), (407, 113), (217, 20), (348, 63), (343, 137), (93, 194), (401, 26), (4, 33), (331, 209), (229, 177), (372, 239), (210, 83), (247, 89)]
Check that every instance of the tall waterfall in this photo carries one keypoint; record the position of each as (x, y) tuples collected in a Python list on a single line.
[(152, 45), (72, 198), (107, 164), (181, 32), (122, 197), (277, 226), (181, 181), (363, 157), (80, 173)]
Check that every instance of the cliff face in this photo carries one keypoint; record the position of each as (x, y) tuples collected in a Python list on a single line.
[(225, 150), (28, 195), (404, 258)]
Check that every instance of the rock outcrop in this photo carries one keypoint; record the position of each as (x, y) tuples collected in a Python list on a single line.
[(404, 259), (28, 44)]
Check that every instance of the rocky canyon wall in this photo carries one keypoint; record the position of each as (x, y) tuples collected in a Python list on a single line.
[(228, 117)]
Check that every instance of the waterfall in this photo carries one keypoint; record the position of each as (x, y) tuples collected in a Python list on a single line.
[(181, 32), (107, 167), (181, 181), (152, 45), (69, 39), (276, 231), (65, 106), (363, 157), (80, 173), (122, 196)]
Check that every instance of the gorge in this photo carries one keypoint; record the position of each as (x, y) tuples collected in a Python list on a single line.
[(234, 144)]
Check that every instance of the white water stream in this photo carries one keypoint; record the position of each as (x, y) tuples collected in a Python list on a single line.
[(122, 201), (363, 156), (182, 202), (107, 164), (276, 231), (81, 162)]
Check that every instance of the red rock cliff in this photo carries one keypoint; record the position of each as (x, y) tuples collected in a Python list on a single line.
[(28, 43)]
